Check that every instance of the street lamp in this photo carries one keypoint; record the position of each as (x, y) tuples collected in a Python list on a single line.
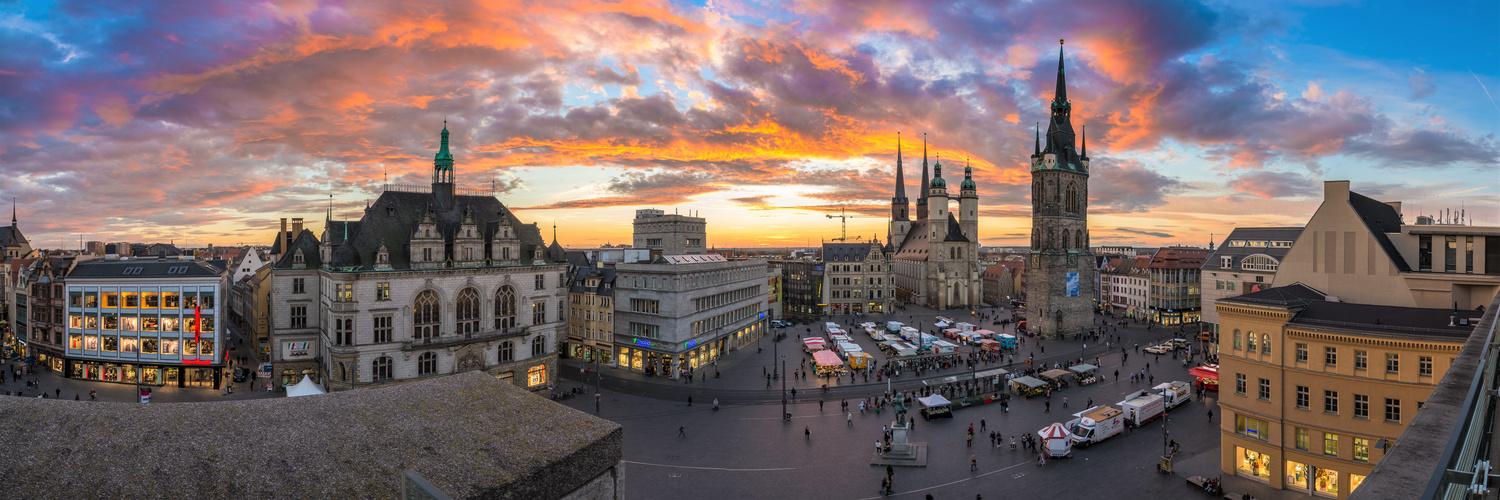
[(786, 417)]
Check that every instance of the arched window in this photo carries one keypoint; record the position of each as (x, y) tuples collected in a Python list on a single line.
[(341, 372), (425, 316), (1036, 194), (507, 352), (1239, 340), (427, 364), (1250, 341), (381, 369), (1259, 262), (538, 346), (505, 308), (1072, 201), (468, 311), (1265, 343), (1067, 239)]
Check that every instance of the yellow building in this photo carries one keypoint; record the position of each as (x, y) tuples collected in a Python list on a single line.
[(591, 317), (1314, 389)]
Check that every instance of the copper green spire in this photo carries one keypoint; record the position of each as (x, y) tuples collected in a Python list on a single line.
[(1062, 85), (968, 183), (443, 153), (937, 174)]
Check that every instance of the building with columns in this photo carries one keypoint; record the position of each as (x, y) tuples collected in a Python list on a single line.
[(424, 284), (936, 255), (1060, 264)]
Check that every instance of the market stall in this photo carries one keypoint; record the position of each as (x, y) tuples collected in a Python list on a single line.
[(1058, 378), (814, 344), (1085, 374), (1056, 441), (305, 388), (985, 334), (1207, 376), (968, 327), (936, 406), (989, 345), (1007, 341), (827, 362), (942, 347), (1027, 386)]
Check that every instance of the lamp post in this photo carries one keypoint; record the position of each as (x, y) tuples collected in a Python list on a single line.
[(598, 381), (785, 416)]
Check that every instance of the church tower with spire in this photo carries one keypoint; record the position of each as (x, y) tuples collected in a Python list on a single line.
[(900, 206), (1060, 268), (442, 173)]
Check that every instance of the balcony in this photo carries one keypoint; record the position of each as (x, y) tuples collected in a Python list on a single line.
[(342, 307), (451, 340)]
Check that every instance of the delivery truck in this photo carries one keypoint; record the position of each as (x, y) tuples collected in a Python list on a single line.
[(1142, 406), (1096, 424), (1175, 392)]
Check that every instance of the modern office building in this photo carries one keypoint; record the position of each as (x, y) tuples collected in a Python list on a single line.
[(146, 321), (802, 289), (681, 312)]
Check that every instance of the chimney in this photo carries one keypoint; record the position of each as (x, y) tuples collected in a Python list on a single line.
[(281, 238), (296, 227), (1336, 191)]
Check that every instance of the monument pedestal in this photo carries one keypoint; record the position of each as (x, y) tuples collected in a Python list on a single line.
[(903, 453)]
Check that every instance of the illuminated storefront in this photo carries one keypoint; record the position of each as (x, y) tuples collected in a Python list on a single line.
[(145, 322), (1252, 464)]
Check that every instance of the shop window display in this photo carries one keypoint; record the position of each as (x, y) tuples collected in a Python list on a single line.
[(150, 323), (189, 347), (149, 346), (1326, 481), (130, 323), (130, 300), (206, 346), (91, 322), (110, 343), (131, 374), (1296, 475), (189, 300), (128, 345), (151, 376), (91, 299), (1253, 464), (536, 375), (150, 300), (90, 342), (188, 324), (111, 300), (75, 299), (1354, 480), (111, 322), (170, 323), (170, 300), (75, 341), (206, 298), (111, 373), (75, 321), (169, 347), (208, 323)]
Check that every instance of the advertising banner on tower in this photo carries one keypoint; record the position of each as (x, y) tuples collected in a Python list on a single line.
[(1072, 284)]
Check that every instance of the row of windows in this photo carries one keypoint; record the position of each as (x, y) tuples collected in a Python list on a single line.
[(1331, 354), (188, 300), (695, 280), (647, 306), (854, 294), (726, 298), (138, 323), (381, 367), (845, 268), (728, 318), (1331, 444), (1330, 399)]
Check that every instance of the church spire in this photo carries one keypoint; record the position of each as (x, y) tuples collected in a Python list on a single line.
[(1084, 152), (1061, 97), (924, 168), (12, 211), (1038, 144), (900, 182)]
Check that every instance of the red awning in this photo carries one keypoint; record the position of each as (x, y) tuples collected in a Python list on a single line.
[(1205, 372)]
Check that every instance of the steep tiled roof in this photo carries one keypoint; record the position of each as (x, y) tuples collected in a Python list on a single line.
[(1380, 218), (311, 257), (142, 268), (1238, 253), (605, 275), (1290, 295), (846, 252), (915, 247), (11, 236), (393, 217)]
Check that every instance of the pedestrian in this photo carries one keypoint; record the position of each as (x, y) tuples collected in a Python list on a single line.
[(973, 463), (682, 431), (1012, 443), (969, 439), (981, 425), (1210, 415), (75, 397), (690, 401), (1065, 401), (93, 397), (820, 405), (807, 431), (57, 392), (850, 420), (1049, 406), (1117, 375), (1089, 404), (885, 484)]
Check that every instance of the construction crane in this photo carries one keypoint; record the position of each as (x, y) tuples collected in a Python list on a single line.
[(844, 224)]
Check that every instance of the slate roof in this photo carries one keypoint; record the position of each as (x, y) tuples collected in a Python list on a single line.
[(605, 275), (1290, 295), (1388, 318), (142, 268), (955, 230), (393, 218), (846, 252), (308, 243), (11, 236), (1380, 219), (915, 246), (1237, 254), (1179, 258)]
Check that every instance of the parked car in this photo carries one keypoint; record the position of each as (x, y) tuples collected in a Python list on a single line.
[(776, 323), (240, 374), (1160, 349)]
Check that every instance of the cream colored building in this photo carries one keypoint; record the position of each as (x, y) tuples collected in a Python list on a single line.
[(1361, 250), (1312, 388)]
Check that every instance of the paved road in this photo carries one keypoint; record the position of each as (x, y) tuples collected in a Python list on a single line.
[(746, 451)]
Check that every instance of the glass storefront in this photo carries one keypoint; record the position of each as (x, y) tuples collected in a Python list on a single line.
[(1252, 464), (130, 373), (1354, 480)]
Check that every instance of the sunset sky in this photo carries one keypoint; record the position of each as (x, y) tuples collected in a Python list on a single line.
[(205, 122)]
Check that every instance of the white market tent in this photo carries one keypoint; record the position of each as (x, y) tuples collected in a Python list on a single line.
[(305, 388)]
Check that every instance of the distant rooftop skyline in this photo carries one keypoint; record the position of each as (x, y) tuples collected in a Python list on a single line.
[(208, 122)]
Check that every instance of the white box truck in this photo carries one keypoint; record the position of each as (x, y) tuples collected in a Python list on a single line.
[(1096, 424), (1142, 406), (1175, 392)]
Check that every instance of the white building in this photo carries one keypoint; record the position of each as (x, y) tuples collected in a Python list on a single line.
[(681, 312)]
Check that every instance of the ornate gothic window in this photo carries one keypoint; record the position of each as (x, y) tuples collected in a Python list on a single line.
[(468, 311), (538, 346), (427, 364), (1072, 198), (425, 316), (505, 308), (507, 352)]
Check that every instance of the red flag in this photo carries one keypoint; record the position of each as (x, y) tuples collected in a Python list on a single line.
[(197, 338)]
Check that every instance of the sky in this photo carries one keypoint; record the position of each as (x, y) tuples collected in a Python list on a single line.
[(204, 122)]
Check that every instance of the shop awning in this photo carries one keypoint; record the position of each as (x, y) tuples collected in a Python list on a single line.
[(826, 358), (991, 373), (934, 401), (1082, 369), (1055, 374), (1054, 431), (1029, 382)]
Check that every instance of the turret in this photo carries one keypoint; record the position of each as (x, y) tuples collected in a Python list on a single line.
[(937, 207), (442, 173), (968, 205)]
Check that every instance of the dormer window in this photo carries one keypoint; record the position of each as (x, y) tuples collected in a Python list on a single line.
[(383, 258), (297, 258)]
